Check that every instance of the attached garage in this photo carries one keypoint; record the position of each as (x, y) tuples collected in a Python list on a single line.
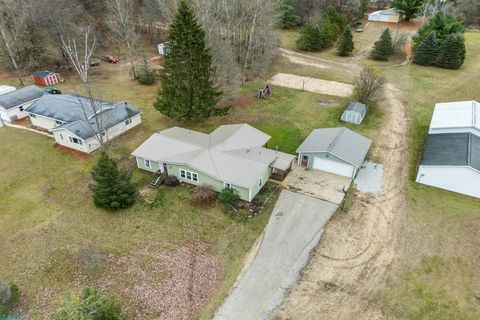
[(335, 150)]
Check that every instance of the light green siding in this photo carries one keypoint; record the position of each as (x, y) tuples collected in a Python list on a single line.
[(154, 165), (257, 187), (217, 185)]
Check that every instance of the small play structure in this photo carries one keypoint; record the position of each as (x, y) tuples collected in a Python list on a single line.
[(354, 113), (264, 92)]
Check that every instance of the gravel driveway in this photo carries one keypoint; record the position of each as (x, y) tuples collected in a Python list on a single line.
[(294, 229)]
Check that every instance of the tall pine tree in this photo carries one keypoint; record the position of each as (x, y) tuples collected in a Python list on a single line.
[(427, 51), (188, 90), (345, 43), (452, 52), (113, 189), (310, 38), (288, 18), (383, 48)]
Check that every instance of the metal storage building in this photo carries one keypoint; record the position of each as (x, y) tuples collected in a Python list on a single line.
[(388, 15), (354, 113)]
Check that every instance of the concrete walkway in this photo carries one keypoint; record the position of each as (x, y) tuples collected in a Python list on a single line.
[(294, 229), (11, 125)]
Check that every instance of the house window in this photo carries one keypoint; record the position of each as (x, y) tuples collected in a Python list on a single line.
[(58, 122), (103, 134), (260, 182), (21, 108), (61, 136), (227, 185), (187, 175), (128, 121), (148, 164), (32, 116), (75, 140)]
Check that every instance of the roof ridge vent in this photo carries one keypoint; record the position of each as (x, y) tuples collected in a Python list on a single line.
[(335, 140)]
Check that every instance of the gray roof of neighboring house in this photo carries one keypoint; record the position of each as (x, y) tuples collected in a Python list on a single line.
[(341, 142), (217, 154), (78, 114), (452, 149), (15, 98)]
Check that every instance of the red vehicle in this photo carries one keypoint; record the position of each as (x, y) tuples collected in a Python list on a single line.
[(110, 59)]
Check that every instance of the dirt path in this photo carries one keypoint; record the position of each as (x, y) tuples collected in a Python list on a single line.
[(309, 61), (349, 269), (332, 88)]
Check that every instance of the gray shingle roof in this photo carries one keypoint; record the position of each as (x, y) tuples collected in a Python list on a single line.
[(42, 73), (452, 149), (78, 114), (18, 97), (341, 142)]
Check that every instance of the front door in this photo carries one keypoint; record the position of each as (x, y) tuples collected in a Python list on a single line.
[(165, 167), (304, 162)]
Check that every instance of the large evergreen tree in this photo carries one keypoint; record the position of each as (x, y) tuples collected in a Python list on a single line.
[(427, 51), (113, 189), (408, 8), (288, 18), (452, 52), (188, 90), (310, 38), (345, 43), (382, 48)]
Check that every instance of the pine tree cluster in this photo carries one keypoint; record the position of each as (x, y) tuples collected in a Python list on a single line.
[(112, 189), (288, 18), (383, 48), (440, 43), (322, 35)]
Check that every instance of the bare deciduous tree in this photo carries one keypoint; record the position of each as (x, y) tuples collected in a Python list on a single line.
[(12, 28), (121, 22), (367, 84)]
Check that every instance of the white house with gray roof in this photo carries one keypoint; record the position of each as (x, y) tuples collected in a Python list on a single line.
[(451, 154), (14, 103), (232, 156), (336, 150), (78, 125)]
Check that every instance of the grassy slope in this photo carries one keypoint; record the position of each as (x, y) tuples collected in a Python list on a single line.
[(443, 233)]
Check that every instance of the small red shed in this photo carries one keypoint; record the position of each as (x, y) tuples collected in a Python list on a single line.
[(45, 78)]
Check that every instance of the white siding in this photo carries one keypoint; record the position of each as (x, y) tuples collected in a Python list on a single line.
[(472, 130), (464, 180), (43, 122), (10, 114), (63, 136)]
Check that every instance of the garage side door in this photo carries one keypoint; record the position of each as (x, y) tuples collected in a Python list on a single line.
[(332, 166)]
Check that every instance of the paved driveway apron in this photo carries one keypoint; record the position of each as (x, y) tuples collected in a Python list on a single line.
[(295, 227)]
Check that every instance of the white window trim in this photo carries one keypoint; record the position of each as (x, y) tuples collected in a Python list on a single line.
[(186, 173), (145, 161)]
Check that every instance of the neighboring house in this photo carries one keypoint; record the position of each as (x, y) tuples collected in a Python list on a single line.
[(72, 120), (6, 89), (387, 15), (45, 78), (354, 113), (335, 150), (451, 155), (14, 103), (232, 156)]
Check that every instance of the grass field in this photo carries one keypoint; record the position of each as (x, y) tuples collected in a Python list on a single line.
[(53, 239)]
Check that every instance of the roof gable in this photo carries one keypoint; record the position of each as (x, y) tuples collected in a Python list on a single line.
[(15, 98)]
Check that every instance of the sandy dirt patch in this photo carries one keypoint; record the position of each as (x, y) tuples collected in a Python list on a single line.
[(348, 272), (333, 88)]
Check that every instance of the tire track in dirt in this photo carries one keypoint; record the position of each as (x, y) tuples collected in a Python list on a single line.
[(349, 269)]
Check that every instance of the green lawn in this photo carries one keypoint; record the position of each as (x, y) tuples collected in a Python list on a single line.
[(53, 239), (440, 278)]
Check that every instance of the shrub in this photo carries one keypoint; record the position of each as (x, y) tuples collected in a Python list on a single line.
[(229, 196), (172, 181), (367, 85), (204, 195), (427, 51), (146, 76), (91, 304), (113, 189), (452, 53)]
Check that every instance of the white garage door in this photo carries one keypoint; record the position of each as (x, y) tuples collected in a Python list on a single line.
[(333, 166)]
